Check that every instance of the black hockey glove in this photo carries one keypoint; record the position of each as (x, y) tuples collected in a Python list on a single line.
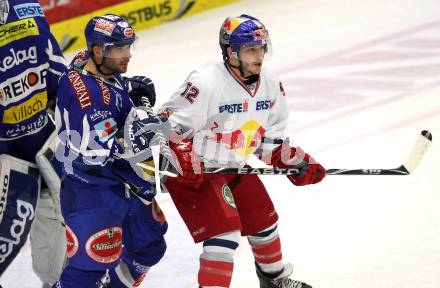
[(142, 132), (138, 87)]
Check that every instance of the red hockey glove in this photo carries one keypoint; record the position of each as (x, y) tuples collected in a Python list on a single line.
[(190, 163), (311, 172)]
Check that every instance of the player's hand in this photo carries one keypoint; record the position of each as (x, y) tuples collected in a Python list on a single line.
[(142, 132), (190, 163), (138, 87), (310, 171)]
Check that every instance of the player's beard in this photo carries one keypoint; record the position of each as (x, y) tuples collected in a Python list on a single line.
[(116, 65), (251, 68)]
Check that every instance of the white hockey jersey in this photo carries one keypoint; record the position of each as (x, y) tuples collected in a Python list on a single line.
[(227, 117)]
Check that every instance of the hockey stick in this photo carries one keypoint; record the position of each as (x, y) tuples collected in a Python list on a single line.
[(155, 170), (162, 142), (416, 155)]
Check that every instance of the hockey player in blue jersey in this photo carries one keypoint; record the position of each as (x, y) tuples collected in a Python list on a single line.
[(30, 64), (114, 227)]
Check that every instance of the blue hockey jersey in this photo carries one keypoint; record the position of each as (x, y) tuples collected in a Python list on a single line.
[(90, 116), (30, 64)]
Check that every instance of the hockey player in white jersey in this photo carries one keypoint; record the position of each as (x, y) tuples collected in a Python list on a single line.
[(228, 111)]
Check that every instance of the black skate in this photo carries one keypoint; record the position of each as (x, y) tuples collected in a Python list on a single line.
[(281, 280)]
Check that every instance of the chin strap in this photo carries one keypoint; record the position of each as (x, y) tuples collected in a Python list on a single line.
[(249, 80), (98, 66)]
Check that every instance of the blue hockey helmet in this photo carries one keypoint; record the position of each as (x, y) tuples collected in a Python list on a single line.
[(108, 30), (241, 31)]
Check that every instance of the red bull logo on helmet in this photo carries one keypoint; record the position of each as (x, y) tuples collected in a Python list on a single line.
[(260, 34), (233, 23), (244, 140)]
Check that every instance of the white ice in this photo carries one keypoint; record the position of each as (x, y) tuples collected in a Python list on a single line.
[(363, 79)]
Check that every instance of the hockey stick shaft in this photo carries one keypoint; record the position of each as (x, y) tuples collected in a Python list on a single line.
[(153, 169), (165, 149), (162, 142), (293, 171), (415, 156)]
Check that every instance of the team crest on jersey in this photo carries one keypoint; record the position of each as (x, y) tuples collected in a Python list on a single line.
[(72, 242), (4, 11), (105, 246), (105, 129), (228, 197)]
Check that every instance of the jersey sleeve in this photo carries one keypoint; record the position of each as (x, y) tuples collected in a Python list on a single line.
[(188, 106), (57, 66), (55, 58), (277, 122)]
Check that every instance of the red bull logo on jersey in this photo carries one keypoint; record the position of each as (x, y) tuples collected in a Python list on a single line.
[(234, 108), (244, 140)]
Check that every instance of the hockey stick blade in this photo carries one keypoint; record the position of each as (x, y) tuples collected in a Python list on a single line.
[(418, 151), (414, 158), (416, 155)]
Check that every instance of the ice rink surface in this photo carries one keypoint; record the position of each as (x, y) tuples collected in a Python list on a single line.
[(363, 79)]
